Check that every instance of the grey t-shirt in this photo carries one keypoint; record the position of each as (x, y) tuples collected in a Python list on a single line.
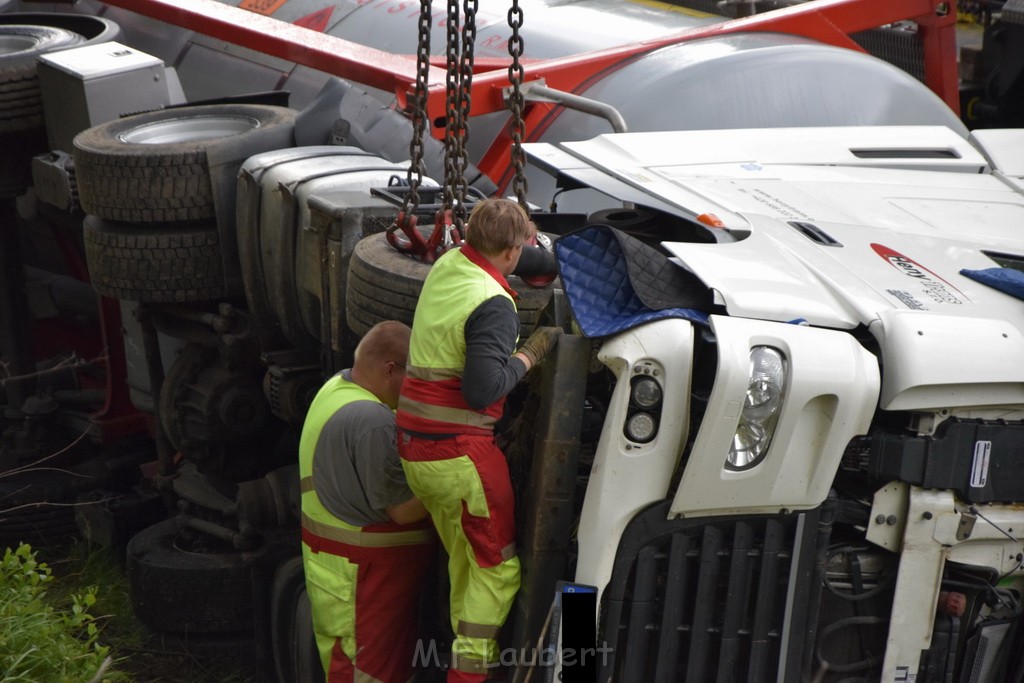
[(356, 469)]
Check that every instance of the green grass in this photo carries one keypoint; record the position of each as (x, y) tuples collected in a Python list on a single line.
[(69, 619), (47, 634), (137, 657)]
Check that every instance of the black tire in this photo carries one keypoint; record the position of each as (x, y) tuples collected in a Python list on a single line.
[(93, 29), (154, 167), (291, 626), (22, 132), (385, 285), (154, 263), (21, 106), (183, 590), (205, 656), (37, 508)]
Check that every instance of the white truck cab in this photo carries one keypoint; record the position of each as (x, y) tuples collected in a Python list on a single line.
[(858, 362)]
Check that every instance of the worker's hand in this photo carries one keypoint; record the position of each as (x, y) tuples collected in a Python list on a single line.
[(540, 342)]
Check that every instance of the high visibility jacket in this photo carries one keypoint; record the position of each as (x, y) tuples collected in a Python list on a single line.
[(321, 530), (431, 399)]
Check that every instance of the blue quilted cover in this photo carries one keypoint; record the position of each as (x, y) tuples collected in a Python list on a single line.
[(595, 270), (1006, 280)]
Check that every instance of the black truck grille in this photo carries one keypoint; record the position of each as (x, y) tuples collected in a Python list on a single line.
[(726, 599)]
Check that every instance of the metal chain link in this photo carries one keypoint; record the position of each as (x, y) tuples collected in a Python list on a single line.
[(451, 110), (516, 103), (464, 102), (417, 168)]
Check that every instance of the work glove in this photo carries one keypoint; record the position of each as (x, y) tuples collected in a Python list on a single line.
[(540, 342)]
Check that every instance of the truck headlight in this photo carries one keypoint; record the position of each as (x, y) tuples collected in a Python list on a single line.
[(645, 397), (646, 392), (761, 405)]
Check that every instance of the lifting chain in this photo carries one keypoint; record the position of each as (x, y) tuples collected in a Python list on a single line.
[(450, 221), (515, 103), (517, 128), (465, 102), (413, 242), (419, 109), (459, 79)]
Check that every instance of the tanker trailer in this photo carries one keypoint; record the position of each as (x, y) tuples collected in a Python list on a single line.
[(759, 77)]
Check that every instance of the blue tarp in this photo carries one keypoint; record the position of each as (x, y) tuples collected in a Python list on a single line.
[(595, 266), (1006, 280)]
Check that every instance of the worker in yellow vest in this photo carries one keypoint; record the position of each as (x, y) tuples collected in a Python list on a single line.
[(366, 540), (462, 364)]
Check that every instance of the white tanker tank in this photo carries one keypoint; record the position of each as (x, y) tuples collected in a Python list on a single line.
[(730, 81)]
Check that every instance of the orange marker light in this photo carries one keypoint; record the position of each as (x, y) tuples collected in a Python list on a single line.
[(711, 220)]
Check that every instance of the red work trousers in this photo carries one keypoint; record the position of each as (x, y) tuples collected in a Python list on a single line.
[(367, 600)]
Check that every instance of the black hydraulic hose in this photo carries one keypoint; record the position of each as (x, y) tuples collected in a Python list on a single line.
[(536, 261), (881, 586), (850, 667)]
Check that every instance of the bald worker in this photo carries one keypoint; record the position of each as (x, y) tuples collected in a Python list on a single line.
[(366, 540)]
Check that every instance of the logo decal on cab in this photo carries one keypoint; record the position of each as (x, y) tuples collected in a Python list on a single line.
[(932, 286)]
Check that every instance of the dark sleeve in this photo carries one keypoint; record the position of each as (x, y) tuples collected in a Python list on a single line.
[(491, 334)]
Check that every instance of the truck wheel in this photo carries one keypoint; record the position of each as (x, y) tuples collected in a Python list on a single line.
[(385, 285), (22, 134), (37, 507), (154, 167), (291, 626), (21, 106), (206, 656), (183, 588), (154, 263), (92, 29)]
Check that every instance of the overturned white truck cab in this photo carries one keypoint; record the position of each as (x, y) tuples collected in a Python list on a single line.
[(803, 463)]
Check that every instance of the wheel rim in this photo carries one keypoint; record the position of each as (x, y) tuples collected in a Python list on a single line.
[(192, 129), (12, 44)]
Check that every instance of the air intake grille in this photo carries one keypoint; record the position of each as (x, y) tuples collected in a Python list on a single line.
[(726, 599), (899, 47)]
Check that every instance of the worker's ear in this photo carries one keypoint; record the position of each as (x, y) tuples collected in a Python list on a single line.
[(510, 257)]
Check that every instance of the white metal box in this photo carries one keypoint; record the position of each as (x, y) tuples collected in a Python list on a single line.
[(85, 86)]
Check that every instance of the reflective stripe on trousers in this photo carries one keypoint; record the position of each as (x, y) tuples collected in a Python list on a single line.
[(464, 484)]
